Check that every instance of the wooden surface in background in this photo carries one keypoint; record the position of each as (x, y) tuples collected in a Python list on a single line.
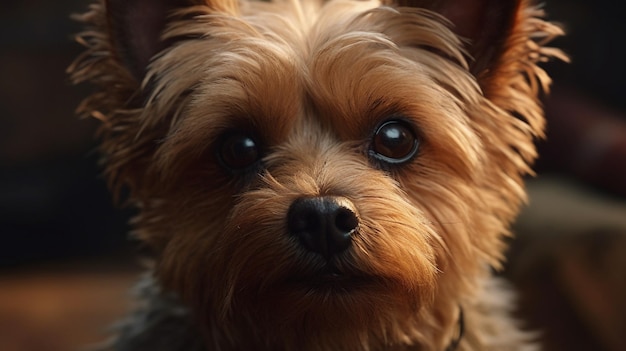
[(61, 310)]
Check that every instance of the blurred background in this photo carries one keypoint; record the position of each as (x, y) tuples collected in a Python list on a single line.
[(66, 262)]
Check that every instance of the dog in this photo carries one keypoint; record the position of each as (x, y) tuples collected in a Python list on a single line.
[(319, 175)]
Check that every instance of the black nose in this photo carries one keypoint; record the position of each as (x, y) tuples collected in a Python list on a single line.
[(323, 224)]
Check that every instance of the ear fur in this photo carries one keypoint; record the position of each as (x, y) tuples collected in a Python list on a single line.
[(485, 23), (493, 29), (135, 27)]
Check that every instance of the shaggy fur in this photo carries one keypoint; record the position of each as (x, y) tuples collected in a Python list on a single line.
[(311, 82)]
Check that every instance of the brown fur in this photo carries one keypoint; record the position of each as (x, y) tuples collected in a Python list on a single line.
[(312, 81)]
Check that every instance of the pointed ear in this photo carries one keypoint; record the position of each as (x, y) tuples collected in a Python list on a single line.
[(136, 27), (487, 24)]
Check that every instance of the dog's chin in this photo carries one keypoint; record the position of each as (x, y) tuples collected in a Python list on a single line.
[(323, 305)]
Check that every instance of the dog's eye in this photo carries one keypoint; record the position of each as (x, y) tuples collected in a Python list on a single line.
[(238, 151), (394, 142)]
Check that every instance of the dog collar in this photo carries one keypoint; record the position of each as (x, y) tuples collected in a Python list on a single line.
[(454, 344)]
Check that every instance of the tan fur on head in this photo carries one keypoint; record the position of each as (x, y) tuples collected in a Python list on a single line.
[(310, 82)]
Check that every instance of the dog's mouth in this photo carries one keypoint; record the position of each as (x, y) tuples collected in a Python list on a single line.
[(331, 278)]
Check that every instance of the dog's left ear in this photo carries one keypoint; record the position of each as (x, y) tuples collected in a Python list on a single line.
[(487, 24)]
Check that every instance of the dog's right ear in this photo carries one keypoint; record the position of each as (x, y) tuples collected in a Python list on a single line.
[(136, 26)]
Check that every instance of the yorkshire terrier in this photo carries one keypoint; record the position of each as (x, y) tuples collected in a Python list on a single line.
[(319, 175)]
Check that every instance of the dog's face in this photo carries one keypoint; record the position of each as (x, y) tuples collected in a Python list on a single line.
[(336, 171)]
